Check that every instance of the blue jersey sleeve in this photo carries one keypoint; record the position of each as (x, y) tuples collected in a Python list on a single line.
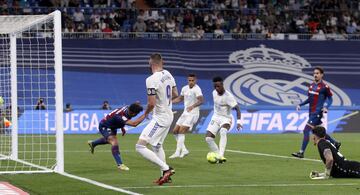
[(304, 102)]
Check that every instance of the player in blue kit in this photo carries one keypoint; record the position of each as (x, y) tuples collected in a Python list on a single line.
[(108, 126), (319, 100)]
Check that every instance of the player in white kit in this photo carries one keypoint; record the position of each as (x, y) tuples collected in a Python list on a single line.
[(161, 89), (221, 120), (192, 96)]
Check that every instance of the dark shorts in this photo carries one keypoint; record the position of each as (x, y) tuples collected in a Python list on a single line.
[(346, 169), (106, 132), (315, 119)]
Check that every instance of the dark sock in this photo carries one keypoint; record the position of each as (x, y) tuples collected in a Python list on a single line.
[(100, 141), (116, 154), (306, 138)]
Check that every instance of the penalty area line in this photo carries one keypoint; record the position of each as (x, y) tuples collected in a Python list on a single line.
[(272, 155), (96, 183), (242, 185)]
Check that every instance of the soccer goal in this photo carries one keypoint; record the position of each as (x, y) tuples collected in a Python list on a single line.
[(31, 102)]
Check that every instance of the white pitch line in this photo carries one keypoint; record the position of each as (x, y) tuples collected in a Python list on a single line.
[(99, 184), (273, 155), (242, 185)]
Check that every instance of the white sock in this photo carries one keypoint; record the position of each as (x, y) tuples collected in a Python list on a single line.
[(176, 136), (212, 145), (151, 156), (180, 143), (223, 141), (159, 151), (183, 148)]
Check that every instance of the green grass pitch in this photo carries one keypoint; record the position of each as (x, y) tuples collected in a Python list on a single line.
[(242, 174)]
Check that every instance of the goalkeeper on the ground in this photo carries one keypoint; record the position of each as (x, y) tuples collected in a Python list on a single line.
[(335, 163)]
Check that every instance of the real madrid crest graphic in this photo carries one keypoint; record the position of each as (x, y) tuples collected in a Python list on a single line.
[(273, 77)]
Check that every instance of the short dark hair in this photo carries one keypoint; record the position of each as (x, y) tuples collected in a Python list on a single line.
[(319, 131), (217, 79), (156, 57), (319, 69), (135, 108), (191, 75)]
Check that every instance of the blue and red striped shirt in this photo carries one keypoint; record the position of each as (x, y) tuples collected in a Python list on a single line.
[(319, 96), (116, 119)]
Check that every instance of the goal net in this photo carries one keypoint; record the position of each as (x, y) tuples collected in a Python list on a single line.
[(31, 133)]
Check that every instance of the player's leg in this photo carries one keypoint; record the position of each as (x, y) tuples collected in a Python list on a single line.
[(151, 135), (112, 139), (187, 127), (181, 142), (211, 132), (223, 141), (336, 143), (178, 149), (101, 141), (305, 141)]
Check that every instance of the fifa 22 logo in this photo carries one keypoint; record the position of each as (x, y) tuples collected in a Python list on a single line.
[(273, 77)]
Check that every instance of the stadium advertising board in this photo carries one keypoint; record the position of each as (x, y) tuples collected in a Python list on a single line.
[(262, 121)]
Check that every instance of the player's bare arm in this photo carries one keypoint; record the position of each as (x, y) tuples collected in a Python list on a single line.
[(151, 99), (174, 93), (178, 99), (136, 122), (329, 159), (200, 100), (238, 114)]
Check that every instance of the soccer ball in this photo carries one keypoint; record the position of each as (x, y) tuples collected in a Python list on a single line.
[(212, 157)]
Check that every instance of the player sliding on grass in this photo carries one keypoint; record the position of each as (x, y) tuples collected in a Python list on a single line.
[(335, 163), (221, 121), (108, 126), (319, 100)]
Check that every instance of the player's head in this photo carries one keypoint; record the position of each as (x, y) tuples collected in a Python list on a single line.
[(218, 85), (155, 61), (318, 133), (318, 73), (191, 80), (135, 109)]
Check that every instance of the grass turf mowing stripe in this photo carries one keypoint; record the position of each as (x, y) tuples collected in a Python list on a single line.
[(99, 184), (272, 155), (241, 185)]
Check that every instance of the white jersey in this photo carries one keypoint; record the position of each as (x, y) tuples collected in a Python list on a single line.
[(224, 103), (190, 97), (161, 84)]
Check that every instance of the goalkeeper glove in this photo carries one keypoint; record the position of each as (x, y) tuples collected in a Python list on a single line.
[(316, 175)]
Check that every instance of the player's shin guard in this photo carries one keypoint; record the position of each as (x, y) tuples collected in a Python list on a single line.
[(306, 138), (100, 141), (223, 141), (151, 156), (116, 154), (212, 145)]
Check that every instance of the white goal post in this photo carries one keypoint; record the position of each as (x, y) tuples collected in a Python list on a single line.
[(31, 94)]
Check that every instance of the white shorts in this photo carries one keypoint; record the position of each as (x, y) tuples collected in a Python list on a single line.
[(154, 134), (217, 122), (188, 120)]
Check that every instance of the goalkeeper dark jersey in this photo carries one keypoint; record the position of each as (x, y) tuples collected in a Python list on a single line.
[(341, 166)]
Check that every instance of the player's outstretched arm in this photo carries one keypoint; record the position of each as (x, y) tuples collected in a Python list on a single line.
[(328, 166), (174, 93), (302, 104), (178, 99), (136, 122)]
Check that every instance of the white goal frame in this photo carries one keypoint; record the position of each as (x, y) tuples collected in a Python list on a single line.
[(14, 32)]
